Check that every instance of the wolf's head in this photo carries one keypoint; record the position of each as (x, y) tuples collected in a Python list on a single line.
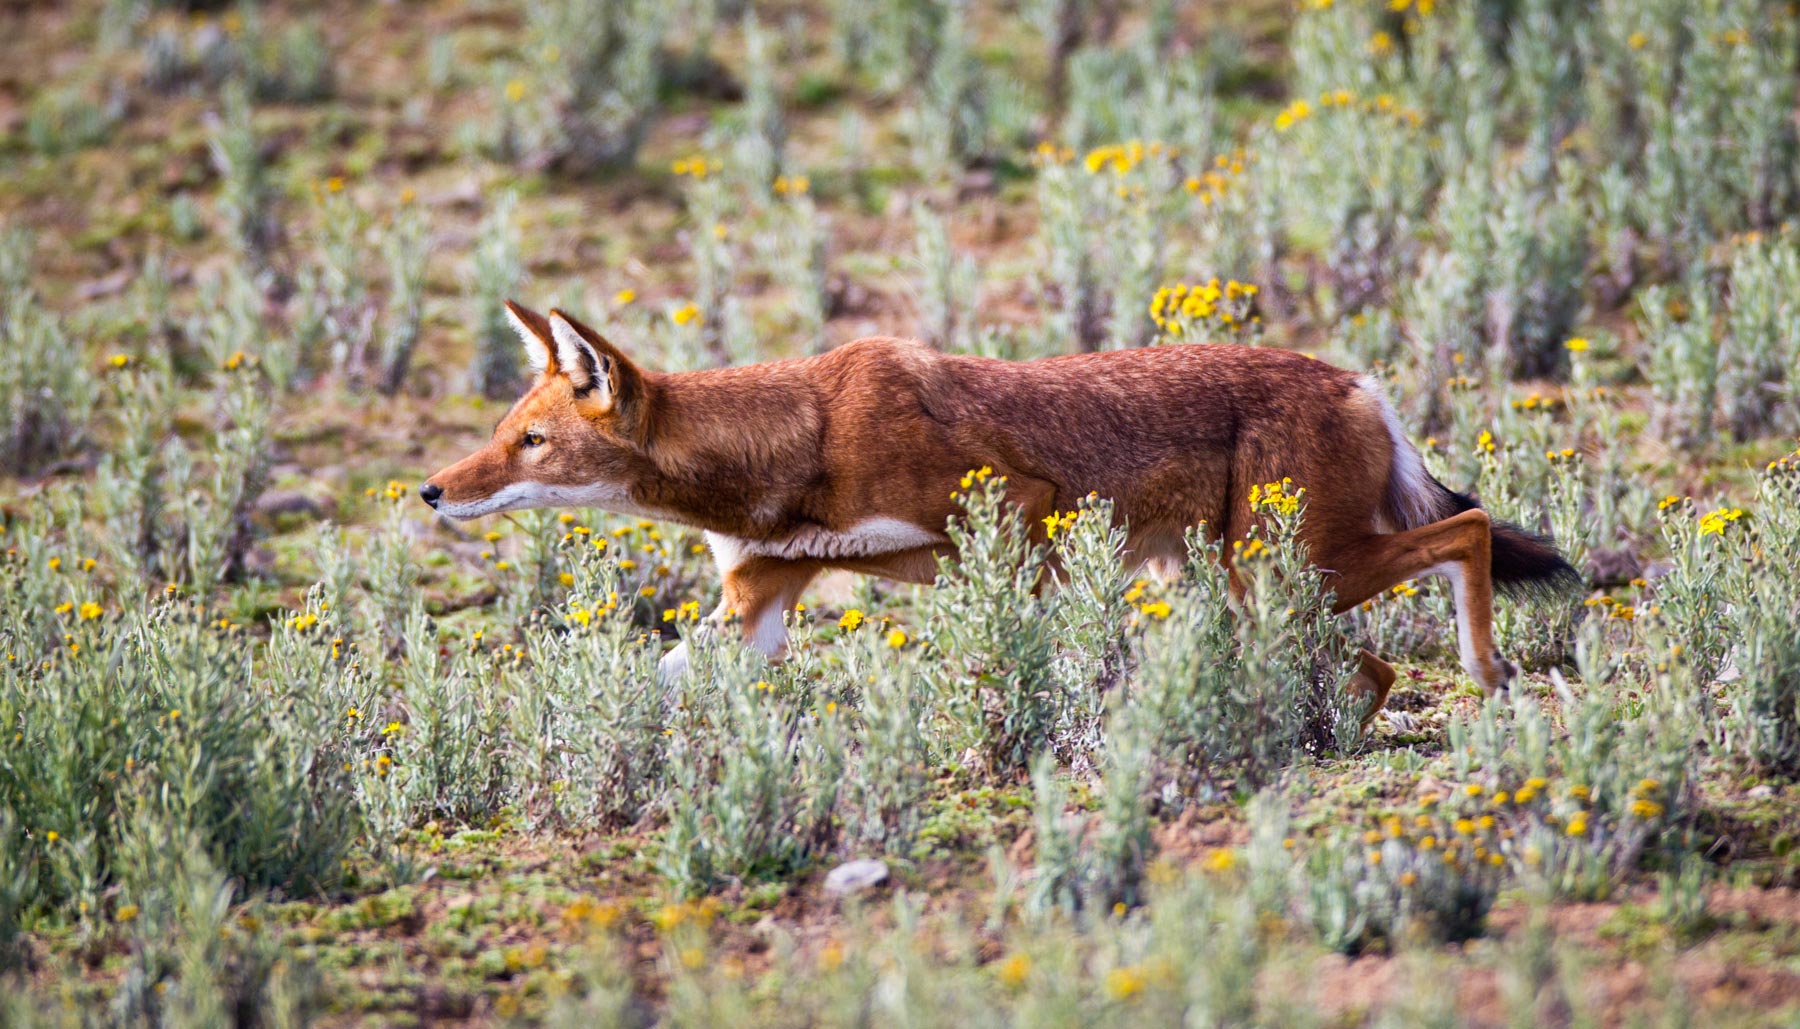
[(573, 440)]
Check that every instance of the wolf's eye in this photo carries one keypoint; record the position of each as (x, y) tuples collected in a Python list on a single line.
[(534, 439)]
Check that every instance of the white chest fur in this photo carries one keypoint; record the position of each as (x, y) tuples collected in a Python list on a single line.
[(871, 537)]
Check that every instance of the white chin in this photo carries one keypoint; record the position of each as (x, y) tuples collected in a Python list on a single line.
[(519, 496)]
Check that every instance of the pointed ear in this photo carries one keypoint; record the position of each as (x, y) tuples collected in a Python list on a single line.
[(599, 371), (534, 332), (588, 371)]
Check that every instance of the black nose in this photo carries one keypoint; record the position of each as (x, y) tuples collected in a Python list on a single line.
[(430, 492)]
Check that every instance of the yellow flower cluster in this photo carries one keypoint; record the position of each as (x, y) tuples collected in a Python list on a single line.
[(1184, 310), (1055, 523), (687, 612), (1716, 522), (694, 167), (792, 185), (973, 476), (1537, 402), (1213, 184), (1118, 157), (1250, 550), (687, 313), (1274, 496), (1343, 99), (1612, 608)]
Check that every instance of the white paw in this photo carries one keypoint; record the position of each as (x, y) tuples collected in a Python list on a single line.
[(673, 665), (1401, 722)]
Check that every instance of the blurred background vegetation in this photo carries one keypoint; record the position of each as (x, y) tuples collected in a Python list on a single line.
[(277, 746)]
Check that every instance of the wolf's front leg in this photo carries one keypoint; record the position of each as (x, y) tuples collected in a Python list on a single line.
[(758, 594)]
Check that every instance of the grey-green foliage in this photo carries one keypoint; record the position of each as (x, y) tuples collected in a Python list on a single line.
[(297, 67), (1066, 225), (1228, 689), (1683, 360), (756, 152), (196, 956), (1059, 875), (246, 196), (46, 390), (594, 69), (1761, 350), (448, 754), (949, 284), (1763, 726), (889, 773), (496, 271), (587, 711), (755, 772), (63, 120), (1629, 780), (162, 717), (1092, 613), (407, 250), (1539, 231), (998, 633)]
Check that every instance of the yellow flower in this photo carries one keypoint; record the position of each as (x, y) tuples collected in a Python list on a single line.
[(1158, 609), (624, 296), (896, 639), (1716, 522), (1014, 970), (126, 912), (1637, 40), (1124, 983), (120, 360), (687, 313), (1381, 44), (1222, 859), (1577, 825), (90, 611), (515, 90), (393, 729), (852, 618), (1576, 345)]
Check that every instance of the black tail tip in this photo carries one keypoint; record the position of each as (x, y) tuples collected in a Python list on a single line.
[(1528, 564)]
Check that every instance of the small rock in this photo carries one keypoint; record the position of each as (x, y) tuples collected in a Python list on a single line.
[(1763, 792), (293, 503), (853, 877)]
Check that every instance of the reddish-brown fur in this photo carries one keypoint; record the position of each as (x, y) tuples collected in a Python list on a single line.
[(885, 428)]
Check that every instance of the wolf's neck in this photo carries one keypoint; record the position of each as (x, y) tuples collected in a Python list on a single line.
[(732, 450)]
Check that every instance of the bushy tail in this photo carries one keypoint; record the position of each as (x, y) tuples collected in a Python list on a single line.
[(1525, 563)]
